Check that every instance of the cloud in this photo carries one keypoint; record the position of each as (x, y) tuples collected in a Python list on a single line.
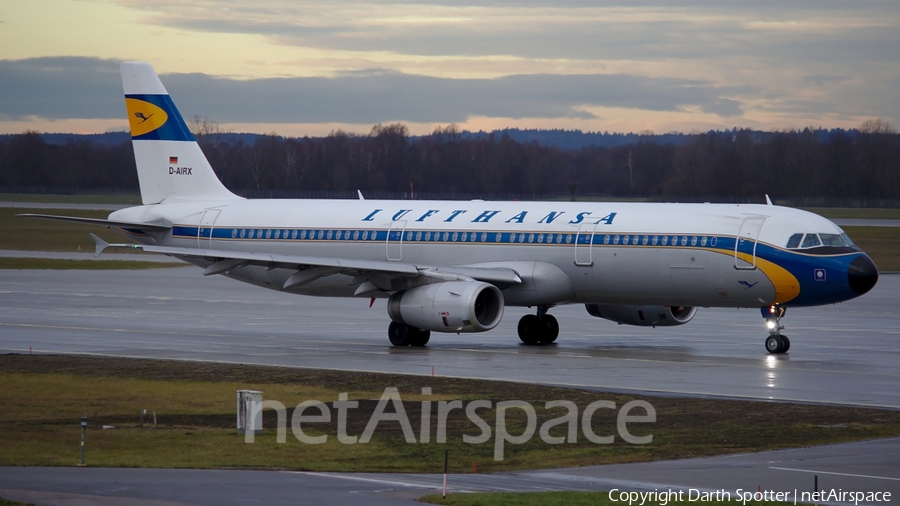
[(804, 31), (824, 79), (59, 88)]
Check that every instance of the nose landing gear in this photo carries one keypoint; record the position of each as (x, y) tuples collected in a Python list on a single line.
[(538, 328), (776, 342)]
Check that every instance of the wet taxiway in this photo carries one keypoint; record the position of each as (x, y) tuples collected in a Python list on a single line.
[(868, 467), (842, 354)]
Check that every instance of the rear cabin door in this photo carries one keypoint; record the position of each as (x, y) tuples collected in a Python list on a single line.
[(205, 230)]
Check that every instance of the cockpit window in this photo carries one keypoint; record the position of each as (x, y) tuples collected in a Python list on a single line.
[(799, 241), (832, 240), (810, 241)]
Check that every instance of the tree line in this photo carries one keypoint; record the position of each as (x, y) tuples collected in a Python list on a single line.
[(861, 165)]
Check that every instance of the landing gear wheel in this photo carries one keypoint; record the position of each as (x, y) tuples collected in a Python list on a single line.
[(529, 329), (787, 343), (550, 329), (399, 334), (420, 338), (775, 344)]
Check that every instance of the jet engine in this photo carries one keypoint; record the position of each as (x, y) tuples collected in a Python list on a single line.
[(453, 306), (643, 316)]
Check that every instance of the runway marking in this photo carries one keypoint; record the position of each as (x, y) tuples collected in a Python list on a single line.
[(370, 480), (836, 474)]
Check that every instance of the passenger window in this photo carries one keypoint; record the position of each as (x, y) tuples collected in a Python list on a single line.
[(810, 241)]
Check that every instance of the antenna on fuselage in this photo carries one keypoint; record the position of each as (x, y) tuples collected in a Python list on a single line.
[(363, 198), (769, 201)]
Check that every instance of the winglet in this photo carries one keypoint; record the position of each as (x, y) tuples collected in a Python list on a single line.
[(100, 245), (769, 201), (360, 195)]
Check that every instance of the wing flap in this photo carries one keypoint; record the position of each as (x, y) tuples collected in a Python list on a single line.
[(223, 261), (487, 274), (286, 261)]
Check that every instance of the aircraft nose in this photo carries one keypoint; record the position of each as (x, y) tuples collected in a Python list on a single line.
[(862, 274)]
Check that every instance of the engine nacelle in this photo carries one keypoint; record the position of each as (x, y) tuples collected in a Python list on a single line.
[(453, 306), (643, 316)]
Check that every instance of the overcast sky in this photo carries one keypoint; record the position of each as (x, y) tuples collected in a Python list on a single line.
[(296, 67)]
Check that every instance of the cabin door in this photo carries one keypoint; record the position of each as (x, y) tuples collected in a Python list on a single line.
[(745, 245), (583, 242), (394, 241), (205, 230)]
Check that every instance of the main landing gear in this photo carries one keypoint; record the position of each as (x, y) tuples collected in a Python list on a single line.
[(402, 334), (776, 342), (538, 328)]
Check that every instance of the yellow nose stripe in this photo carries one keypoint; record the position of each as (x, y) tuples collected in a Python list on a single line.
[(787, 286), (144, 117)]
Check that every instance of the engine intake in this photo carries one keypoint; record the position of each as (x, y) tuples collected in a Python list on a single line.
[(453, 306), (643, 316)]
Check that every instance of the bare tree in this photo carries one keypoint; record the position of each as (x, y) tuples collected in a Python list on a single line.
[(290, 161), (208, 133), (256, 159), (877, 126)]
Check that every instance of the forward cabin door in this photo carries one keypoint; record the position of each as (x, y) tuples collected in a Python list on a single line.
[(205, 230), (745, 246)]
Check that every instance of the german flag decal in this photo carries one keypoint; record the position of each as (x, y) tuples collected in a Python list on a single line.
[(173, 160)]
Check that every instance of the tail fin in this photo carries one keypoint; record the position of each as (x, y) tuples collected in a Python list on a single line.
[(170, 165)]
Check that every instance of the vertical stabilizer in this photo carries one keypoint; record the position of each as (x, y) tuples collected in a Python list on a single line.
[(170, 165)]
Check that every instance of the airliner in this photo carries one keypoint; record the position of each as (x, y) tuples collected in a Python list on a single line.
[(452, 267)]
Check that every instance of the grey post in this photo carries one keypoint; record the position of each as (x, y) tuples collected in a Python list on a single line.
[(84, 422)]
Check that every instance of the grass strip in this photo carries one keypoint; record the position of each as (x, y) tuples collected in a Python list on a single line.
[(880, 243), (62, 264), (7, 502), (45, 396), (125, 200), (33, 234), (566, 499), (855, 213)]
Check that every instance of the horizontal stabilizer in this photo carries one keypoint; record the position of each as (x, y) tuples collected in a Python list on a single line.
[(147, 227)]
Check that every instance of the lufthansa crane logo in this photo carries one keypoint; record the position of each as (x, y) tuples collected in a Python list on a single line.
[(141, 117), (144, 117)]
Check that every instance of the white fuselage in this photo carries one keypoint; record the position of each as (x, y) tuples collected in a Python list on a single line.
[(609, 253)]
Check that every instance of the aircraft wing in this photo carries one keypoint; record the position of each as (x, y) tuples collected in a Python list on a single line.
[(310, 268)]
